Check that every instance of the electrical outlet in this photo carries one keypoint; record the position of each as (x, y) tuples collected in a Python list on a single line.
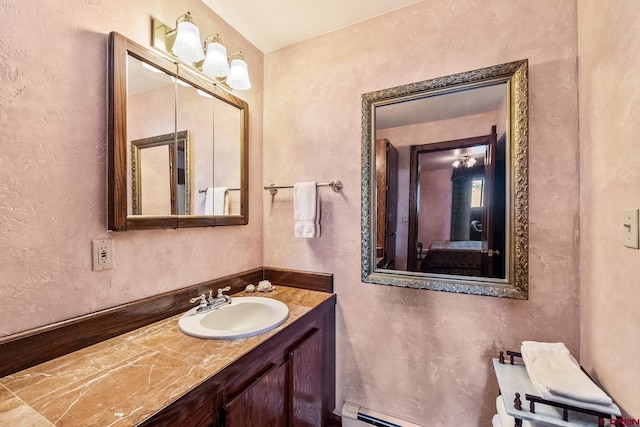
[(102, 254), (630, 228)]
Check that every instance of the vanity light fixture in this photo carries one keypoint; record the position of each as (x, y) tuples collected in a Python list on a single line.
[(466, 162), (215, 64), (183, 43), (239, 74), (187, 43)]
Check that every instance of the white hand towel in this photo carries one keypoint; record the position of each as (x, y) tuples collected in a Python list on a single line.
[(221, 201), (306, 209), (555, 373), (208, 201), (216, 201)]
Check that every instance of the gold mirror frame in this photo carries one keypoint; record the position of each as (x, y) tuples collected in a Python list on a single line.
[(515, 285), (118, 219)]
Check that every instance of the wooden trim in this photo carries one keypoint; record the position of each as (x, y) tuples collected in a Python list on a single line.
[(29, 348), (322, 282), (116, 148)]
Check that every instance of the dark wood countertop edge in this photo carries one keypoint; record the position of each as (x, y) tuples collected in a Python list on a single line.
[(29, 348)]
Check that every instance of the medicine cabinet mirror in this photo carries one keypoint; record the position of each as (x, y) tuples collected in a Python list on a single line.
[(445, 183), (177, 144)]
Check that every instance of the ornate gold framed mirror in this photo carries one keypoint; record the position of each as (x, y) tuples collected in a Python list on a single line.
[(445, 183), (202, 178)]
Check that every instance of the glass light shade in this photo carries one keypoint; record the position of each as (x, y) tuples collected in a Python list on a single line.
[(187, 45), (216, 64), (456, 163), (470, 162), (239, 75)]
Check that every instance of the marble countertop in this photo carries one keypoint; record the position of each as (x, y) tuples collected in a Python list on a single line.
[(124, 380)]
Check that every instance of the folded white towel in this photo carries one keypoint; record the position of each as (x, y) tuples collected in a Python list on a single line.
[(306, 209), (217, 201), (555, 373), (495, 421)]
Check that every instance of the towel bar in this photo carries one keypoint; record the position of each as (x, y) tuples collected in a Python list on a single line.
[(228, 189), (336, 185)]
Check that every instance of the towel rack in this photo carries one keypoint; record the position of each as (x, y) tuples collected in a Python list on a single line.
[(336, 185), (228, 189)]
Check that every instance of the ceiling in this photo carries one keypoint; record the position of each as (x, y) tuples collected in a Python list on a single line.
[(274, 24)]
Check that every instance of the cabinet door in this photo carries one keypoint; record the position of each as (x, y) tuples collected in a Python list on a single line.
[(305, 373), (261, 403)]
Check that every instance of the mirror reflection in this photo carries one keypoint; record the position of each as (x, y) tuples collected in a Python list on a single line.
[(195, 113), (150, 113), (160, 171), (177, 144), (447, 197), (227, 157)]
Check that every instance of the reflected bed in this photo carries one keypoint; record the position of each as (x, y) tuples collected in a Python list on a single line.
[(454, 257)]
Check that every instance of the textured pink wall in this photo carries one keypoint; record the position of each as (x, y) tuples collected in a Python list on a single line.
[(423, 355), (609, 52), (53, 122)]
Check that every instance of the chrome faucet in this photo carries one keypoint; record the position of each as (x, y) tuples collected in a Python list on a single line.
[(212, 303)]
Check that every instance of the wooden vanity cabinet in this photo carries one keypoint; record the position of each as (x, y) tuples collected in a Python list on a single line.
[(285, 395), (261, 403), (288, 380)]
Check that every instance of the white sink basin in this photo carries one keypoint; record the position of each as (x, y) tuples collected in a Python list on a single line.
[(244, 317)]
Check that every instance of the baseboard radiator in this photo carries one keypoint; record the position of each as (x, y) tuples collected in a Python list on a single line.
[(353, 415)]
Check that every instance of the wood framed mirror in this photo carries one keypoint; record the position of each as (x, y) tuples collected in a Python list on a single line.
[(203, 158), (445, 183)]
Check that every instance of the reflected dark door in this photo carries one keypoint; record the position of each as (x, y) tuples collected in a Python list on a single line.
[(387, 206), (452, 147), (488, 244)]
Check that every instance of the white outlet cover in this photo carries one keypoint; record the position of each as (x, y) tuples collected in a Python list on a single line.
[(630, 228), (101, 254)]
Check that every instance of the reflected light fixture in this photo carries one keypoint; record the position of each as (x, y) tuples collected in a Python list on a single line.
[(183, 42), (466, 162), (203, 93)]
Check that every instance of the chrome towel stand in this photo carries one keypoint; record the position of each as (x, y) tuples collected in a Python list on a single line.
[(336, 185)]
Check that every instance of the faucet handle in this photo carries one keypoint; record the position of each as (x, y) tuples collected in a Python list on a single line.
[(220, 291), (202, 298)]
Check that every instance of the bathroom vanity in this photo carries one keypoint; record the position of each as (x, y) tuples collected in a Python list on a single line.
[(157, 375)]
